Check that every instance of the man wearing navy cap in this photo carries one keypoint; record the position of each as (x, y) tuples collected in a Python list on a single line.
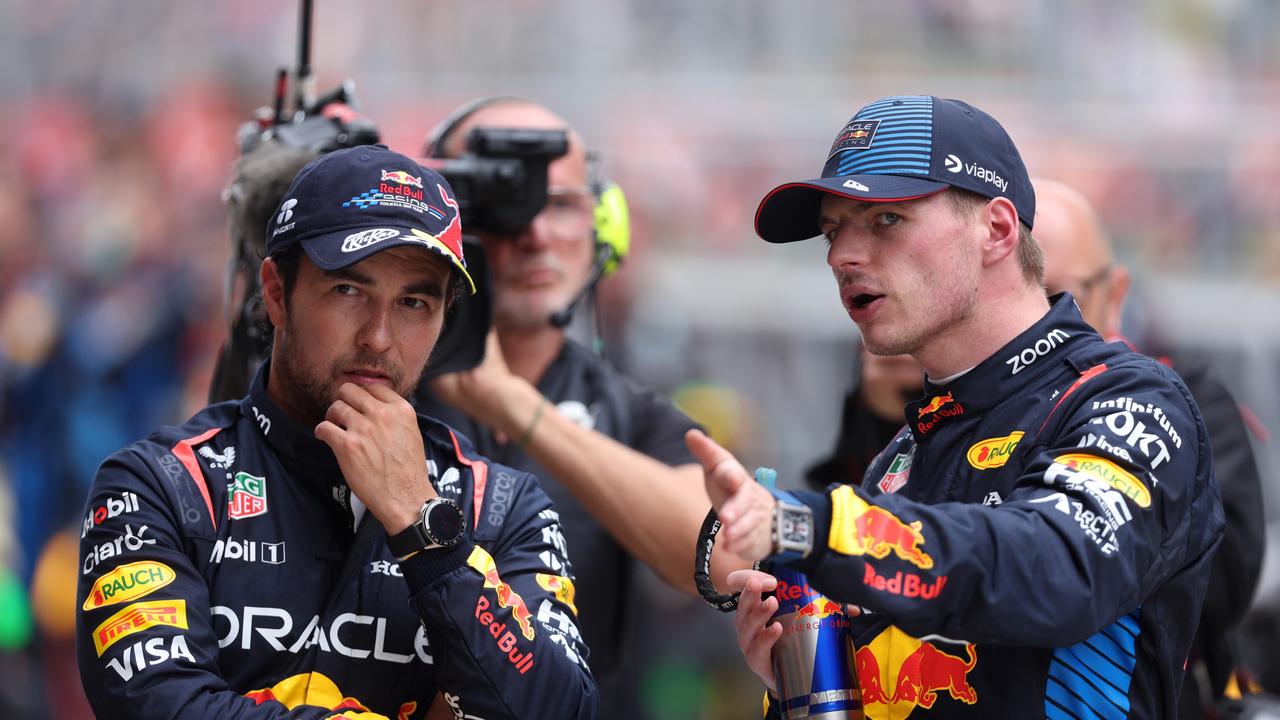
[(1035, 542), (317, 549)]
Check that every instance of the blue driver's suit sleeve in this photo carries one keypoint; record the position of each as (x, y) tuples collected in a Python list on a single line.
[(1112, 500)]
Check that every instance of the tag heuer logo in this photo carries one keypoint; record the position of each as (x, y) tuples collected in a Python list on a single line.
[(896, 476), (247, 496)]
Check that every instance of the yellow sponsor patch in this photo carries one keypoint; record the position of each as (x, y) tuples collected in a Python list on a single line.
[(128, 582), (137, 617), (560, 586), (1109, 473), (993, 452)]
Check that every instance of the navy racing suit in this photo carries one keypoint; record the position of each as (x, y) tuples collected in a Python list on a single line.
[(1035, 543), (229, 572)]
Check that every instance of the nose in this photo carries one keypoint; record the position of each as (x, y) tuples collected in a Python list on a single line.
[(846, 251), (534, 236), (375, 333)]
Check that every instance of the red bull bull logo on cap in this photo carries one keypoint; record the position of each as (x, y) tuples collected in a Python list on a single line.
[(899, 673), (860, 528), (402, 177)]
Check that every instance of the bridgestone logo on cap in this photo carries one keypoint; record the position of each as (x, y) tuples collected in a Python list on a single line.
[(365, 238)]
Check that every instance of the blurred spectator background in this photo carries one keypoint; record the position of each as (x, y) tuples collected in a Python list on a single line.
[(118, 125)]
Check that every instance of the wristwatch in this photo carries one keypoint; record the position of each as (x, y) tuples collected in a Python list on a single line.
[(439, 525), (792, 528)]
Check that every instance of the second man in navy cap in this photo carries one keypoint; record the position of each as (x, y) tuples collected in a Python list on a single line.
[(1036, 540), (317, 547)]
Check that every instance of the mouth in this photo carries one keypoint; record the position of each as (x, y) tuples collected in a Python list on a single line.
[(861, 305), (537, 276), (861, 301), (366, 376)]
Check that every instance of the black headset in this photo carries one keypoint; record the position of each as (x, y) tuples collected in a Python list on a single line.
[(611, 228)]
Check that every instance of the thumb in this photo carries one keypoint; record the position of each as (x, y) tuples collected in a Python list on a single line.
[(707, 451), (721, 470)]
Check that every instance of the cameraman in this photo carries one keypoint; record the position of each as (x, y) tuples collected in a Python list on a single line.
[(609, 453)]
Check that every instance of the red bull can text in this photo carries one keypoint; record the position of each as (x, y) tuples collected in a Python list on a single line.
[(813, 660)]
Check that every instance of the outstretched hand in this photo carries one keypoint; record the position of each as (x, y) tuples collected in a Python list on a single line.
[(745, 507)]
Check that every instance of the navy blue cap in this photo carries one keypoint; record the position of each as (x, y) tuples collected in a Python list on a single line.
[(904, 148), (349, 204)]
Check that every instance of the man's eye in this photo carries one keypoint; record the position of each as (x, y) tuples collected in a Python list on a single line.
[(415, 303), (344, 289), (561, 202), (888, 218)]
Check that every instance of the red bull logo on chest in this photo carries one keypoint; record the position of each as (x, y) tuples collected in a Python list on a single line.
[(313, 688), (899, 673), (939, 408)]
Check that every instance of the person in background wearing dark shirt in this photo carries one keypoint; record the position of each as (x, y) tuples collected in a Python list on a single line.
[(1079, 259), (609, 452), (870, 417)]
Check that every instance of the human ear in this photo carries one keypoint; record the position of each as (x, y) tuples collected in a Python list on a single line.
[(1001, 226), (273, 291)]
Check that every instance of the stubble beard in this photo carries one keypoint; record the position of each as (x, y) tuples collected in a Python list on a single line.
[(310, 391), (950, 306)]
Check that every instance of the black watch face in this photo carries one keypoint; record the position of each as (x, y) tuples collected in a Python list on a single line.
[(444, 521)]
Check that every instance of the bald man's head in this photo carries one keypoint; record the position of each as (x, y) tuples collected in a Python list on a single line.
[(538, 270), (1078, 255), (514, 113)]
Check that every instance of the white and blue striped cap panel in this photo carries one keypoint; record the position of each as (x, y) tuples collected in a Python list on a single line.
[(891, 136)]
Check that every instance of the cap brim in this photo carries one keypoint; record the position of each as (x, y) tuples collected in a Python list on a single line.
[(790, 211), (338, 250)]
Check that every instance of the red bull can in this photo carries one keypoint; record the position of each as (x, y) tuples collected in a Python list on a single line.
[(813, 661)]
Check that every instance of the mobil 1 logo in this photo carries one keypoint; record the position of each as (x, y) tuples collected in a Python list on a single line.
[(252, 551), (112, 507)]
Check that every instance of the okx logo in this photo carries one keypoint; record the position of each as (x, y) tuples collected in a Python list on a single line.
[(246, 496)]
